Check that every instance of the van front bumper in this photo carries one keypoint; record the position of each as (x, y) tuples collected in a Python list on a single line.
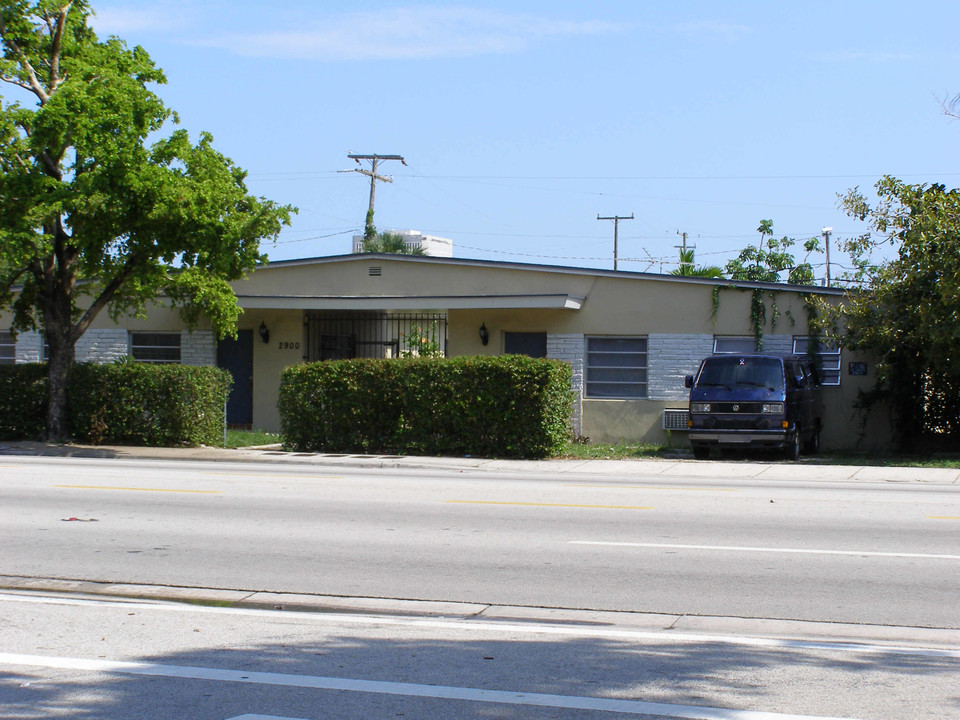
[(740, 438)]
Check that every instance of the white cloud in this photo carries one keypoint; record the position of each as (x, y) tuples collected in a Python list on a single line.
[(411, 32), (728, 32), (123, 20), (868, 56)]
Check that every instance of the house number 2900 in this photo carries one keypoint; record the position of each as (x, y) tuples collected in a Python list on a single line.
[(288, 345)]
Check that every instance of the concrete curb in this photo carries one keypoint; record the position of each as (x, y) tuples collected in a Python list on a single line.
[(600, 622), (621, 469)]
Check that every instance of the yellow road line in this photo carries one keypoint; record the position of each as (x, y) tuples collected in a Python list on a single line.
[(653, 487), (276, 477), (138, 489), (943, 517), (556, 505)]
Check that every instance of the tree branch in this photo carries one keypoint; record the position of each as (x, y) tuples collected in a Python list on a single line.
[(952, 108), (52, 166), (55, 79), (34, 85), (105, 296)]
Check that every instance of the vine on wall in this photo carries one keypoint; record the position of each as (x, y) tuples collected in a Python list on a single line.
[(766, 263)]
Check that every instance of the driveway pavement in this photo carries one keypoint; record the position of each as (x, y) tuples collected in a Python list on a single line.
[(807, 470)]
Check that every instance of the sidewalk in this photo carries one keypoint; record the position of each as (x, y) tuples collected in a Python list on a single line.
[(623, 469)]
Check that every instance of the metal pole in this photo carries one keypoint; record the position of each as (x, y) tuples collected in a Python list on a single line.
[(616, 226), (826, 238)]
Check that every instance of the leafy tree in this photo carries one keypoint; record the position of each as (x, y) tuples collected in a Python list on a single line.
[(388, 242), (689, 268), (908, 311), (767, 262), (369, 229), (770, 259), (93, 217)]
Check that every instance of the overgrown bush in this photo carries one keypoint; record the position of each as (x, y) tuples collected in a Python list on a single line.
[(23, 401), (141, 404), (509, 406)]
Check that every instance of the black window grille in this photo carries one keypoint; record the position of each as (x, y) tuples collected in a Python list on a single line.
[(342, 336)]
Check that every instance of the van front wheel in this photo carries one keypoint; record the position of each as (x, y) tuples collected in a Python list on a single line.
[(792, 449)]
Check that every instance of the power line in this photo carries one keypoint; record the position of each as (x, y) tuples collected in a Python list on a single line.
[(680, 177), (308, 173)]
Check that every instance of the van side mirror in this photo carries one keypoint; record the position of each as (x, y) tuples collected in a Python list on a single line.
[(798, 381), (688, 381)]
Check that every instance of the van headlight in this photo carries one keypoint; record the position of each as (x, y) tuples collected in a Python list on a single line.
[(772, 408), (700, 407)]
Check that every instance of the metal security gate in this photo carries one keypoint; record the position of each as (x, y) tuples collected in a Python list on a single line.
[(345, 335)]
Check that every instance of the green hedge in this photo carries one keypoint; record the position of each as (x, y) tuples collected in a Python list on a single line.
[(125, 403), (142, 404), (507, 406), (23, 401)]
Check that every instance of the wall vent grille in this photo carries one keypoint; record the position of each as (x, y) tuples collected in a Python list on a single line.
[(675, 419)]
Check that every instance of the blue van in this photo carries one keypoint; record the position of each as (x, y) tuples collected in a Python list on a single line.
[(754, 402)]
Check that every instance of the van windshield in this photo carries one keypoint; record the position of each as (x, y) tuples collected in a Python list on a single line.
[(734, 370)]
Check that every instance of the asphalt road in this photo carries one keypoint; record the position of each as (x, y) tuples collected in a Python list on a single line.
[(75, 657), (867, 553)]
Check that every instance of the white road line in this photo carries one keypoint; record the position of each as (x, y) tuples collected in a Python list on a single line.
[(441, 692), (504, 627), (795, 551)]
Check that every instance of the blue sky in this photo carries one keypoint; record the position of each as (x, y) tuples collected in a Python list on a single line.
[(521, 122)]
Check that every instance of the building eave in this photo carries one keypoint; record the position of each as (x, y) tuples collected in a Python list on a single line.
[(558, 301), (559, 270)]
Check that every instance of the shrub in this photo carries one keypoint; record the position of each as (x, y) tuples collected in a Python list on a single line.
[(142, 404), (509, 406), (23, 401)]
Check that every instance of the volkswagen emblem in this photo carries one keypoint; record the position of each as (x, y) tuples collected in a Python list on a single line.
[(736, 408)]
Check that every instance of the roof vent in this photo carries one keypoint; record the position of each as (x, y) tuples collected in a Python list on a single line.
[(375, 271)]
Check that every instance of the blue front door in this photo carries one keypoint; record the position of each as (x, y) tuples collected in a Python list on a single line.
[(236, 356)]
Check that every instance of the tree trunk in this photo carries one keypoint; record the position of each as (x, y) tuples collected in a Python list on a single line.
[(58, 376), (58, 330)]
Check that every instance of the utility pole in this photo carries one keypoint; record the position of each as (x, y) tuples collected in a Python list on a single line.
[(372, 174), (683, 251), (616, 224), (826, 239)]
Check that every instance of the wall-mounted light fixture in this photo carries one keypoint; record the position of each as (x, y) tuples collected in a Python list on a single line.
[(264, 333), (484, 334)]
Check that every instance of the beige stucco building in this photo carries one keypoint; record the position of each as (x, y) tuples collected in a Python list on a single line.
[(629, 337)]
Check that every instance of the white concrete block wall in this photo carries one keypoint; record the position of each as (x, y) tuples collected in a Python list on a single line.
[(29, 347), (102, 346), (778, 344), (571, 348), (107, 346), (669, 359), (198, 348)]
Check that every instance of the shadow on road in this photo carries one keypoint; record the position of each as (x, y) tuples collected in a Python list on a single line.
[(815, 683)]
